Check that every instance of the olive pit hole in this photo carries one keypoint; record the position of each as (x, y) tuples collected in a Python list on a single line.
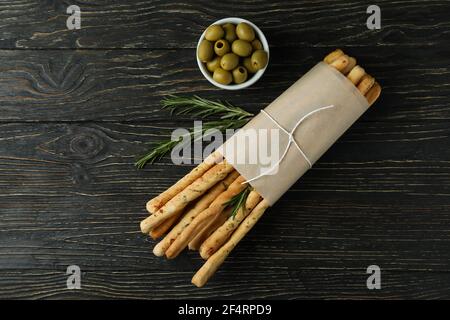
[(219, 45)]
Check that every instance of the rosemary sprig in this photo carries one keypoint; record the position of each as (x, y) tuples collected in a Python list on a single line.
[(230, 117), (160, 149), (200, 107), (238, 201)]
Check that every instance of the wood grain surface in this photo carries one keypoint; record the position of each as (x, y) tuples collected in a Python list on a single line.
[(78, 107), (28, 24), (127, 85)]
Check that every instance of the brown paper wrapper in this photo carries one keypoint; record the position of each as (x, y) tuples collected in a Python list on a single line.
[(321, 86)]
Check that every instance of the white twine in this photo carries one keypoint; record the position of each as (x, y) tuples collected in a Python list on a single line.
[(291, 140)]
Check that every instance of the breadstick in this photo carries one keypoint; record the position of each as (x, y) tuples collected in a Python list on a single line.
[(209, 229), (356, 74), (366, 83), (204, 202), (373, 94), (214, 262), (161, 229), (192, 192), (333, 56), (188, 234), (154, 204), (203, 217), (221, 235), (350, 65), (340, 63)]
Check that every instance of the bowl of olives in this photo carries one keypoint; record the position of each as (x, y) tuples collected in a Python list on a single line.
[(232, 53)]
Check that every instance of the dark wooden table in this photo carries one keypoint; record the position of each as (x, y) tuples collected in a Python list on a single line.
[(77, 108)]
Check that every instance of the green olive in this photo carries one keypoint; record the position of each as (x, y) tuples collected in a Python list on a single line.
[(221, 47), (245, 32), (213, 64), (222, 76), (259, 59), (241, 48), (239, 75), (248, 65), (229, 61), (257, 45), (230, 32), (205, 51), (214, 32)]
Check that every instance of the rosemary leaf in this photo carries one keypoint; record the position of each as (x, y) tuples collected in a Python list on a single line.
[(162, 148), (238, 201), (159, 150), (230, 117), (200, 107)]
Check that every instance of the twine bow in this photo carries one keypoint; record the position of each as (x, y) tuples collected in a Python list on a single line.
[(290, 141)]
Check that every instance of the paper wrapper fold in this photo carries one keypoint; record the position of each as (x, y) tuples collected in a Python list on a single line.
[(321, 86)]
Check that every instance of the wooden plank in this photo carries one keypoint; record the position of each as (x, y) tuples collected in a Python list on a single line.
[(257, 283), (73, 121), (124, 85), (175, 24), (71, 196)]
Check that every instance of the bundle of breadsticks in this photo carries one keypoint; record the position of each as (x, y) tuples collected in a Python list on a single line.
[(192, 213)]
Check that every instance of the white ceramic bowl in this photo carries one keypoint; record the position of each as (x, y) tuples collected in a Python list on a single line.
[(255, 77)]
